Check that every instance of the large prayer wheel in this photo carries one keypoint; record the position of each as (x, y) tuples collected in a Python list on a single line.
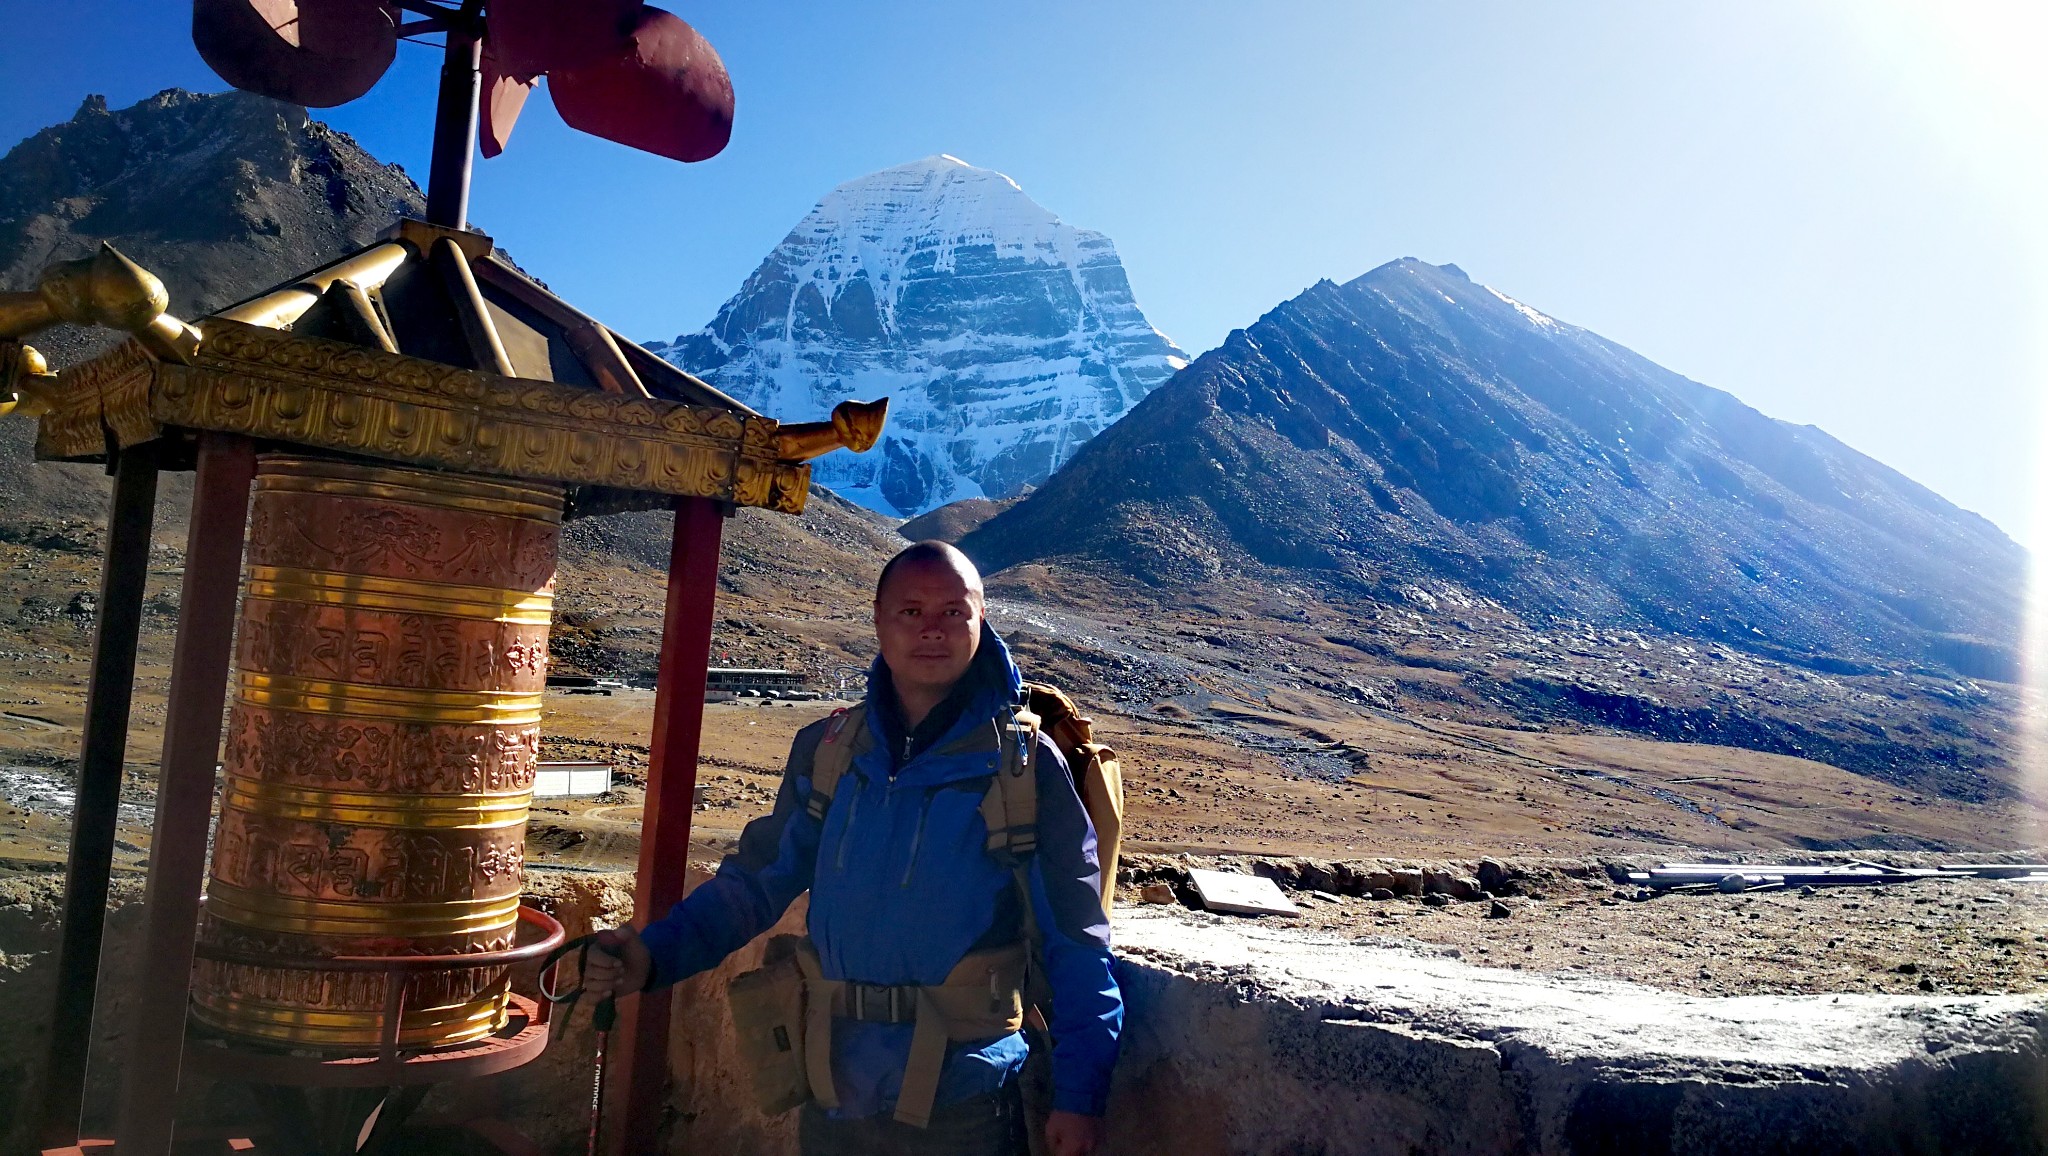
[(381, 749)]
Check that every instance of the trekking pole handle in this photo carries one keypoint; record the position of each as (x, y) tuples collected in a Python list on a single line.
[(606, 1013)]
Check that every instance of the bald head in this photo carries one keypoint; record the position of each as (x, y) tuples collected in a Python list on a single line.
[(932, 556)]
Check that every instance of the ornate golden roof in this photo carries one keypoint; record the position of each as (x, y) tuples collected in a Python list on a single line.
[(424, 348)]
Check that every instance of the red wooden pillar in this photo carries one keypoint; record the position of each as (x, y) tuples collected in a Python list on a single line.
[(184, 794), (639, 1051)]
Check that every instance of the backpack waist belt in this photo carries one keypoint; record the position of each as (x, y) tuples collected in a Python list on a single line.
[(878, 1003), (981, 999)]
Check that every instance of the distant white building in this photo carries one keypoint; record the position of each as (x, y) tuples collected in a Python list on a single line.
[(723, 683)]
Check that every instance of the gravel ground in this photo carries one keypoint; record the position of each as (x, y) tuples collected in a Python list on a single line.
[(1953, 936)]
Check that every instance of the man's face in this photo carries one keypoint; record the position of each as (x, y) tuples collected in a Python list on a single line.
[(928, 622)]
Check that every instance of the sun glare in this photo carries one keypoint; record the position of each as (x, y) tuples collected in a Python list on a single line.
[(1971, 74)]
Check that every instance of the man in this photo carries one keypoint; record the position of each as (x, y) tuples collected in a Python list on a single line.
[(903, 889)]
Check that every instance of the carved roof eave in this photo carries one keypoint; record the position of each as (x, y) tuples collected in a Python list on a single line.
[(624, 451)]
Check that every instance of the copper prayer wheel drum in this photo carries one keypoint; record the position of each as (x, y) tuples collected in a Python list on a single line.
[(381, 748)]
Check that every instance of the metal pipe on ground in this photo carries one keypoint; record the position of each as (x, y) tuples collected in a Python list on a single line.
[(1734, 877)]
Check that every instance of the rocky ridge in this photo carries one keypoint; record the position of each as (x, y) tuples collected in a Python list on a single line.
[(217, 194), (954, 520), (1412, 427)]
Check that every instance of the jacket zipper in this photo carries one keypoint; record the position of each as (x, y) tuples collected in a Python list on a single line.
[(916, 838), (846, 832)]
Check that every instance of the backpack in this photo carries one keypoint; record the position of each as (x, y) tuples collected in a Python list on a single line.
[(1010, 807)]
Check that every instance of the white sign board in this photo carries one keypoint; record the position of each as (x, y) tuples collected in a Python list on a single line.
[(571, 780), (1240, 894)]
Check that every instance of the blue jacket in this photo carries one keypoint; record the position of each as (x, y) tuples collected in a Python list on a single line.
[(902, 887)]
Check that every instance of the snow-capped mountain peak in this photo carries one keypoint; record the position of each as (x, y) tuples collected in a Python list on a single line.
[(1005, 336)]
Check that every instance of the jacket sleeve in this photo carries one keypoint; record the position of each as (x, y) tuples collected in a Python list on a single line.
[(754, 885), (1087, 1007)]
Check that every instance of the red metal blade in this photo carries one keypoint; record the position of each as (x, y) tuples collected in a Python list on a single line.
[(318, 53), (667, 93), (503, 96), (530, 37)]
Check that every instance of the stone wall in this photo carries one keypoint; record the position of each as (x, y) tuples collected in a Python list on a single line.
[(1247, 1037)]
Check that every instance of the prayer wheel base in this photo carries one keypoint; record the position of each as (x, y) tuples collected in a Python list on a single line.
[(388, 1063)]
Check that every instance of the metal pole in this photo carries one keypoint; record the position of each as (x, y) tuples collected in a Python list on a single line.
[(184, 794), (102, 758), (639, 1051), (455, 124)]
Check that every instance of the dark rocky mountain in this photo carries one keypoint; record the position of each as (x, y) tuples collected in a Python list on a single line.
[(954, 520), (1412, 428), (220, 195)]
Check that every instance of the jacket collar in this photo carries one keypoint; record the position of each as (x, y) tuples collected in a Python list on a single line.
[(991, 685)]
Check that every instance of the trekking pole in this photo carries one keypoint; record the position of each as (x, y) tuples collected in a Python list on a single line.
[(602, 1017)]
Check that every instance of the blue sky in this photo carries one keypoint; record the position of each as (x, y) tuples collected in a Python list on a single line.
[(1831, 209)]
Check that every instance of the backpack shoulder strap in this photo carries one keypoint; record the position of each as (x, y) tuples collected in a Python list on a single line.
[(848, 726), (1009, 809)]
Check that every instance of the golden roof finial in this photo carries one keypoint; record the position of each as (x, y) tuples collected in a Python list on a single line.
[(855, 425), (105, 289), (26, 383)]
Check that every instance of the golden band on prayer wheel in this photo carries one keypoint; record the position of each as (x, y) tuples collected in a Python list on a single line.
[(381, 749)]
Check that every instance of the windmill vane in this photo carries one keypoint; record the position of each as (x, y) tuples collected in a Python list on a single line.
[(629, 72)]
